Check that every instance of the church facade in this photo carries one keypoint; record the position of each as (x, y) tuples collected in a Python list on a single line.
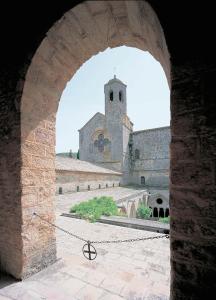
[(108, 140)]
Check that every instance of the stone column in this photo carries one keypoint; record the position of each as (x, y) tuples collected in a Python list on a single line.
[(192, 188), (27, 180), (11, 247)]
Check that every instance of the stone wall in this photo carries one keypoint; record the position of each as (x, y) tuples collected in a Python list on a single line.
[(11, 255), (157, 179), (87, 135), (193, 184), (154, 156), (81, 181)]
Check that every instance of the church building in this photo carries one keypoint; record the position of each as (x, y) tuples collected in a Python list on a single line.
[(108, 140)]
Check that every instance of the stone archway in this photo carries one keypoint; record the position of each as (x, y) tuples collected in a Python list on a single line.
[(83, 31), (192, 180)]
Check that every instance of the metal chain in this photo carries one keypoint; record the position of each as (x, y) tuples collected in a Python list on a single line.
[(131, 240), (62, 229), (104, 241)]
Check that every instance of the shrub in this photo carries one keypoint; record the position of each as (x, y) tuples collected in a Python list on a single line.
[(143, 211), (94, 208), (165, 220)]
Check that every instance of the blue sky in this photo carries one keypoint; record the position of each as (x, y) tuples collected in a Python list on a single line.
[(148, 96)]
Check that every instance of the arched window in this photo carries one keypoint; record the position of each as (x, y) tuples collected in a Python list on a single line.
[(120, 96), (161, 212), (155, 212), (137, 154), (167, 212), (111, 96)]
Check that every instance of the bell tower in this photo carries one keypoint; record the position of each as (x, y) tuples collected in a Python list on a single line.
[(115, 99), (117, 122)]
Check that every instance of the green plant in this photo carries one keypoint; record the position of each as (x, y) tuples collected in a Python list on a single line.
[(165, 220), (143, 211), (94, 208)]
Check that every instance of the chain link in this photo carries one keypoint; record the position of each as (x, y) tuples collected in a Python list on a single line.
[(62, 229), (131, 240), (103, 241)]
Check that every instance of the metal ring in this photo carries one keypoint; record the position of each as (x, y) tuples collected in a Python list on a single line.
[(89, 251)]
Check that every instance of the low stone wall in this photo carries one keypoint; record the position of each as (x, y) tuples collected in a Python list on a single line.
[(67, 182)]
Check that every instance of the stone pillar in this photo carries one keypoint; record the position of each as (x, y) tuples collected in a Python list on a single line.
[(10, 163), (38, 192), (26, 184), (192, 188)]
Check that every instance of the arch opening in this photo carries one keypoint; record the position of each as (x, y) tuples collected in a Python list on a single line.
[(67, 45), (155, 212)]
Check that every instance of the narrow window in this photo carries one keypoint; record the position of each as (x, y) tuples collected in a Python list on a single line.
[(137, 154), (113, 184), (143, 180), (88, 187), (120, 96), (77, 188), (60, 191), (111, 96), (106, 185), (99, 186)]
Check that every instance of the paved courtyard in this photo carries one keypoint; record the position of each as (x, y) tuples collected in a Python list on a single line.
[(134, 271), (65, 201)]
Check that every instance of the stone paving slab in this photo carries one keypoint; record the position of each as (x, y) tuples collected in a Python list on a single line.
[(121, 271)]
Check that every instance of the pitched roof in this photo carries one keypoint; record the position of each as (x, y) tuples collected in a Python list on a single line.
[(97, 114), (115, 80), (76, 165), (151, 129)]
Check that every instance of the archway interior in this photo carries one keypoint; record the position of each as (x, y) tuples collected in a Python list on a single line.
[(82, 32)]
